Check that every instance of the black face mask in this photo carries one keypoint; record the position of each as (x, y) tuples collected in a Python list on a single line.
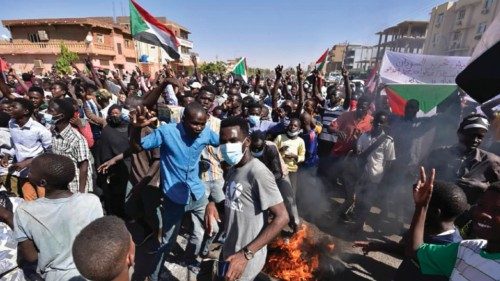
[(114, 121)]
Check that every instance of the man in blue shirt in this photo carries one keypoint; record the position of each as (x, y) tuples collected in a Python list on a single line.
[(180, 149)]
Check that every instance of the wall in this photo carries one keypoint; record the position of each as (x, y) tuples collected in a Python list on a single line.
[(466, 28)]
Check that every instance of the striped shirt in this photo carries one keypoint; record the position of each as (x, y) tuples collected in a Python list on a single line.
[(212, 155), (328, 116), (461, 261), (69, 142)]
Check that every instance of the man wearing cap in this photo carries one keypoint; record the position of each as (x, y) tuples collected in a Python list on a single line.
[(465, 163), (195, 87)]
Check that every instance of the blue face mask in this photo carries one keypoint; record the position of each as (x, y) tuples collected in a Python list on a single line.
[(254, 119), (49, 119), (125, 118), (232, 152), (258, 154)]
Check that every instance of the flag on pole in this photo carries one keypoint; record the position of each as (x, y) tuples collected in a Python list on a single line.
[(371, 82), (320, 63), (146, 28), (240, 69)]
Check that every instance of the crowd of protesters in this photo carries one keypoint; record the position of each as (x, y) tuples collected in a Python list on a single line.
[(229, 161)]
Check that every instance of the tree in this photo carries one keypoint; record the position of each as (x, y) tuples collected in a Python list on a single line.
[(64, 60), (213, 67)]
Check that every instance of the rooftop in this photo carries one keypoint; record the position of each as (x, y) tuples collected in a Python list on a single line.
[(105, 22), (404, 25)]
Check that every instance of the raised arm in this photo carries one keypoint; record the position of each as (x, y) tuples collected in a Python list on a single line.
[(95, 76), (274, 92), (5, 89), (422, 192), (140, 118), (300, 79), (195, 65), (347, 89), (118, 77), (257, 81), (21, 81)]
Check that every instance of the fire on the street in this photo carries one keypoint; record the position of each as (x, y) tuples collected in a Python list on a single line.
[(294, 258)]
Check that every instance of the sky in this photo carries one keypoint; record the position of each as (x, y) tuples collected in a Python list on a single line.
[(266, 32)]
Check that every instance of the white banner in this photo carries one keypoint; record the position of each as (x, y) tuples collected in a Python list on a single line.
[(404, 68)]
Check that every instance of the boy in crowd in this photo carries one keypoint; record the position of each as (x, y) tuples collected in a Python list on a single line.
[(447, 203), (476, 259), (29, 139), (292, 149), (45, 228), (104, 250)]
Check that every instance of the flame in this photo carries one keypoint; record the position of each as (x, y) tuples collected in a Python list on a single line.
[(287, 260)]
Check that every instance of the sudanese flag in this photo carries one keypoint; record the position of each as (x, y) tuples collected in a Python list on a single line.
[(430, 96), (146, 28)]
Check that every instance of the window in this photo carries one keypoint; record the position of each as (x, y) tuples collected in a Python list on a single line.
[(104, 62), (439, 19), (33, 37), (184, 50), (127, 43), (487, 4), (481, 28), (119, 47), (456, 36), (461, 15), (153, 47), (435, 39), (99, 38)]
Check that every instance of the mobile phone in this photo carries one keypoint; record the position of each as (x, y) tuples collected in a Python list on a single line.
[(222, 267)]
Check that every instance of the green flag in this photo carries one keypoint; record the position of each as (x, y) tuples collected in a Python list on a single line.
[(240, 69)]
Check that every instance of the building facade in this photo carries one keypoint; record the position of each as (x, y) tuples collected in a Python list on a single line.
[(456, 27), (35, 43), (352, 56), (405, 37), (364, 57)]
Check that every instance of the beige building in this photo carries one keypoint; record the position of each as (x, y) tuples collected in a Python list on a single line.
[(404, 37), (456, 27), (35, 43), (337, 56)]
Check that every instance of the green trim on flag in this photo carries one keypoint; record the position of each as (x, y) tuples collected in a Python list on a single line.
[(428, 95), (137, 24), (240, 69)]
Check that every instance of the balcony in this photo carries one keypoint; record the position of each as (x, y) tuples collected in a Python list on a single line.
[(54, 48), (129, 52), (185, 43)]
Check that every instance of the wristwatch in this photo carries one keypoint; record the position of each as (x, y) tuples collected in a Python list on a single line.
[(248, 254)]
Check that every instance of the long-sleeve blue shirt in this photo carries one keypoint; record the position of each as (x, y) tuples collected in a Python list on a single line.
[(179, 159)]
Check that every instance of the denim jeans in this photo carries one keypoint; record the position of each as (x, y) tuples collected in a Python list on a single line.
[(172, 218), (288, 193), (214, 189)]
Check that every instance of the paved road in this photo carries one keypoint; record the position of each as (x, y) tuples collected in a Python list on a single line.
[(349, 263)]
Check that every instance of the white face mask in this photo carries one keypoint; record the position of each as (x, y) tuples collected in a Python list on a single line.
[(293, 134), (232, 152)]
